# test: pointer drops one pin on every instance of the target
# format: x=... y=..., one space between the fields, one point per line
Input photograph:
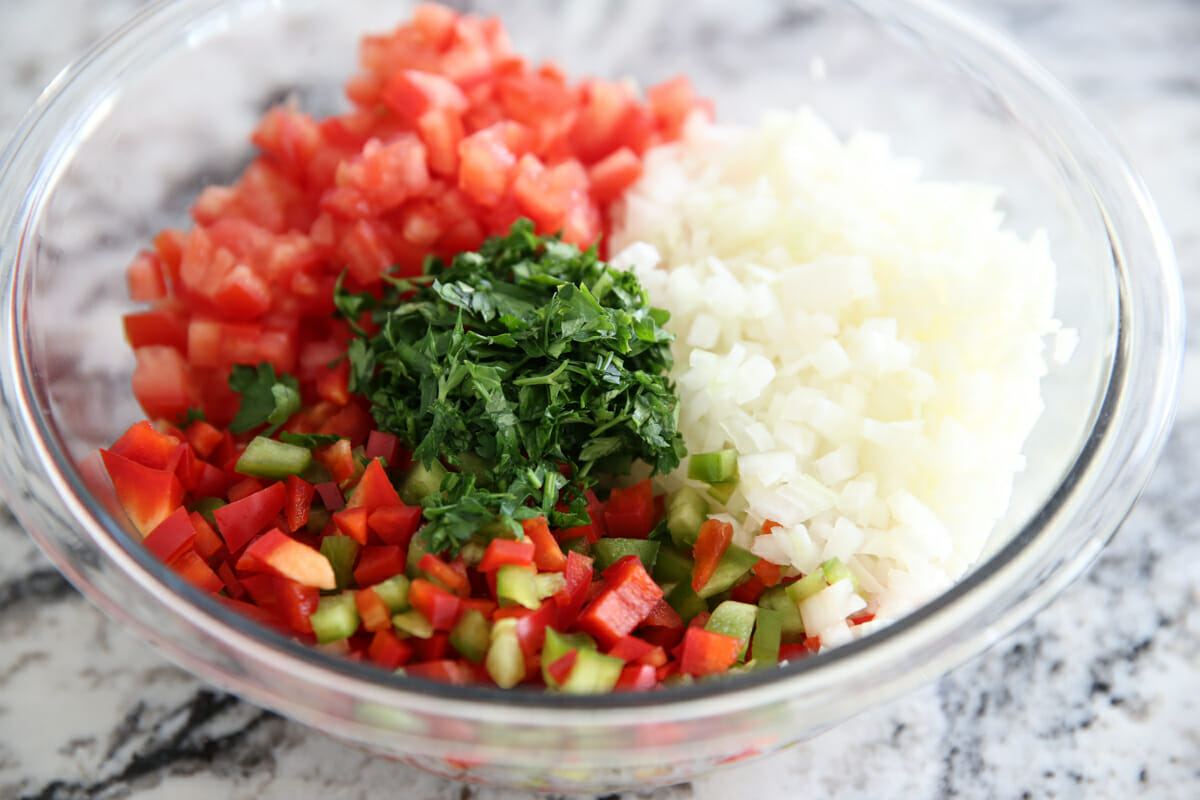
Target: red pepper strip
x=193 y=569
x=203 y=437
x=749 y=590
x=531 y=627
x=331 y=496
x=208 y=542
x=706 y=652
x=711 y=544
x=791 y=652
x=663 y=616
x=578 y=575
x=382 y=445
x=299 y=501
x=452 y=579
x=547 y=555
x=374 y=489
x=630 y=649
x=767 y=572
x=142 y=444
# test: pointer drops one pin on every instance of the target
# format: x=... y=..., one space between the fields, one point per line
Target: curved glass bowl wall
x=120 y=144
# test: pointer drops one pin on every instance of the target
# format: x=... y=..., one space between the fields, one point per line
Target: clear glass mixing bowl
x=120 y=143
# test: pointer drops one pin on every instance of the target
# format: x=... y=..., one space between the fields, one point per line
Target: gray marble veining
x=1096 y=697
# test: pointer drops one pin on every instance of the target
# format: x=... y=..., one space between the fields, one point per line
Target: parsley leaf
x=266 y=399
x=537 y=358
x=309 y=440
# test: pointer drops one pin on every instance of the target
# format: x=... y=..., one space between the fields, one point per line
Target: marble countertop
x=1095 y=697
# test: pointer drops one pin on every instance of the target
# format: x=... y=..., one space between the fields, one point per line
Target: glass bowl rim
x=984 y=583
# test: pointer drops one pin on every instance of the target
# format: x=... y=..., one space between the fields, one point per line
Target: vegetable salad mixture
x=400 y=408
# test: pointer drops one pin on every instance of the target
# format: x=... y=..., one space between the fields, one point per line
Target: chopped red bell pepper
x=147 y=495
x=171 y=537
x=193 y=569
x=388 y=650
x=299 y=501
x=377 y=563
x=239 y=521
x=506 y=551
x=711 y=543
x=395 y=524
x=372 y=610
x=208 y=542
x=767 y=572
x=454 y=579
x=706 y=652
x=352 y=522
x=458 y=673
x=627 y=597
x=142 y=444
x=374 y=489
x=578 y=575
x=547 y=555
x=440 y=607
x=630 y=512
x=560 y=668
x=637 y=678
x=331 y=496
x=295 y=603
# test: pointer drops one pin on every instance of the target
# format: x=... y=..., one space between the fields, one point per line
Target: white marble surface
x=1096 y=697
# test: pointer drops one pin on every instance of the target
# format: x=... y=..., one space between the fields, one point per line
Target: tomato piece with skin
x=162 y=382
x=161 y=327
x=240 y=520
x=711 y=543
x=146 y=278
